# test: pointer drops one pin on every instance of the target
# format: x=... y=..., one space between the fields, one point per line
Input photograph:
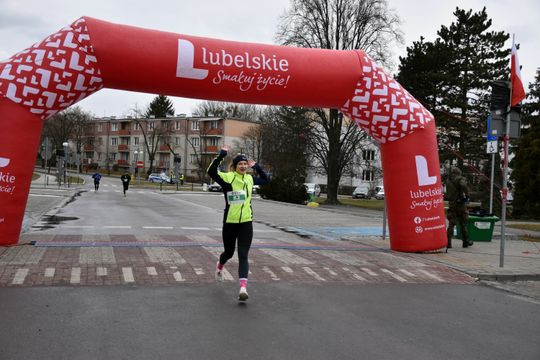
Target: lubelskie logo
x=428 y=198
x=7 y=181
x=243 y=69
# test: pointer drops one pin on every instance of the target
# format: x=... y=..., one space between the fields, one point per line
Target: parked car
x=255 y=189
x=380 y=194
x=214 y=187
x=313 y=189
x=159 y=178
x=361 y=192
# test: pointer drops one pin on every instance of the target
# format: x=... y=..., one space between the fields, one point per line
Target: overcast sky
x=24 y=22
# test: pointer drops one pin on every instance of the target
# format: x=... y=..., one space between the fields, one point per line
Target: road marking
x=287 y=269
x=117 y=227
x=19 y=277
x=354 y=274
x=158 y=227
x=408 y=273
x=395 y=276
x=167 y=256
x=431 y=275
x=127 y=272
x=49 y=272
x=313 y=273
x=342 y=257
x=97 y=255
x=151 y=270
x=332 y=272
x=369 y=272
x=178 y=276
x=270 y=272
x=23 y=255
x=75 y=275
x=101 y=271
x=227 y=275
x=286 y=256
x=194 y=228
x=77 y=226
x=199 y=271
x=45 y=195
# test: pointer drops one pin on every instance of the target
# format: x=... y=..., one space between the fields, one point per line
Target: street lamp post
x=66 y=154
x=136 y=153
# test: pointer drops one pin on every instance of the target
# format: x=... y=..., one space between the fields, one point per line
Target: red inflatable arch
x=91 y=54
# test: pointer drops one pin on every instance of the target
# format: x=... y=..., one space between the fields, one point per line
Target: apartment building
x=121 y=143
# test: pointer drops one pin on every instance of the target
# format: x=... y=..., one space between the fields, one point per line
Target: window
x=151 y=125
x=99 y=127
x=112 y=156
x=177 y=125
x=368 y=175
x=114 y=127
x=135 y=141
x=137 y=126
x=176 y=141
x=99 y=156
x=195 y=141
x=213 y=141
x=194 y=125
x=368 y=155
x=213 y=124
x=114 y=141
x=193 y=159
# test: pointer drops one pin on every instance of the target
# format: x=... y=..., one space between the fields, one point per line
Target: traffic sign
x=491 y=147
x=140 y=165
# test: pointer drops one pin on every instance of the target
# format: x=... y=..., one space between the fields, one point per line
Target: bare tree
x=251 y=142
x=227 y=110
x=368 y=25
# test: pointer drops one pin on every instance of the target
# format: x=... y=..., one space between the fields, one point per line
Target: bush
x=286 y=190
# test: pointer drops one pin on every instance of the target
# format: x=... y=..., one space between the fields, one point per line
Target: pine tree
x=160 y=107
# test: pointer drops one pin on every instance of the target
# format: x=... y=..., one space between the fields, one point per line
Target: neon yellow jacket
x=237 y=189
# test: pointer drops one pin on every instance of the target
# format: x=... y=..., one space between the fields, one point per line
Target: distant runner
x=126 y=178
x=97 y=179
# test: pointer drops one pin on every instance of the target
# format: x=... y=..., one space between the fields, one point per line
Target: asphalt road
x=285 y=321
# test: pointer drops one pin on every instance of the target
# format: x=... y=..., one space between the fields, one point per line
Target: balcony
x=211 y=149
x=122 y=162
x=124 y=132
x=88 y=147
x=217 y=131
x=163 y=148
x=123 y=147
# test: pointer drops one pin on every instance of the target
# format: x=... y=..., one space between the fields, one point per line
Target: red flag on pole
x=518 y=91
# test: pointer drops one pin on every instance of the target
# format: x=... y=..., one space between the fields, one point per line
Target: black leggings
x=244 y=233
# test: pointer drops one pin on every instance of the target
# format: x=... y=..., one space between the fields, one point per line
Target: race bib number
x=236 y=197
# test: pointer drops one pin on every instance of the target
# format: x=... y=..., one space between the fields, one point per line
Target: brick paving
x=75 y=260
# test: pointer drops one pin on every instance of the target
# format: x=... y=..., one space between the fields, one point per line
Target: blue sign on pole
x=490 y=137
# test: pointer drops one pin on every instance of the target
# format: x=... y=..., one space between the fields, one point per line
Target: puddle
x=55 y=219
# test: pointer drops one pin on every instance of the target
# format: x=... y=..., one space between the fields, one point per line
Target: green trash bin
x=480 y=228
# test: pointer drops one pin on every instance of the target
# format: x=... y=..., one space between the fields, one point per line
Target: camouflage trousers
x=457 y=215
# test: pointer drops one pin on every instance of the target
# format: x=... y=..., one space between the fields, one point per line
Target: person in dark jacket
x=457 y=193
x=237 y=186
x=97 y=178
x=126 y=178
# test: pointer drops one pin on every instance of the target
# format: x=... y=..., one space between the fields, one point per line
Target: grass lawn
x=35 y=176
x=362 y=203
x=525 y=226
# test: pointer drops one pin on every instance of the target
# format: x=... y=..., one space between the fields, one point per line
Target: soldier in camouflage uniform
x=457 y=192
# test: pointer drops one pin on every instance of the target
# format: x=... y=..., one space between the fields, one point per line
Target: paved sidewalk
x=521 y=258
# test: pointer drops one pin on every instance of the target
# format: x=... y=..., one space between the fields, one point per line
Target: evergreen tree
x=160 y=107
x=452 y=77
x=526 y=163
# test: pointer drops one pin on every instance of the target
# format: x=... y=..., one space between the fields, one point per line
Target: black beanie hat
x=239 y=158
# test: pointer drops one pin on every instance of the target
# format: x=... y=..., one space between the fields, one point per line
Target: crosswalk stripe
x=287 y=269
x=408 y=273
x=355 y=275
x=194 y=228
x=332 y=272
x=199 y=271
x=75 y=275
x=49 y=272
x=267 y=270
x=19 y=277
x=101 y=271
x=369 y=272
x=151 y=270
x=287 y=257
x=118 y=227
x=127 y=272
x=158 y=227
x=313 y=273
x=227 y=275
x=178 y=276
x=395 y=276
x=430 y=275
